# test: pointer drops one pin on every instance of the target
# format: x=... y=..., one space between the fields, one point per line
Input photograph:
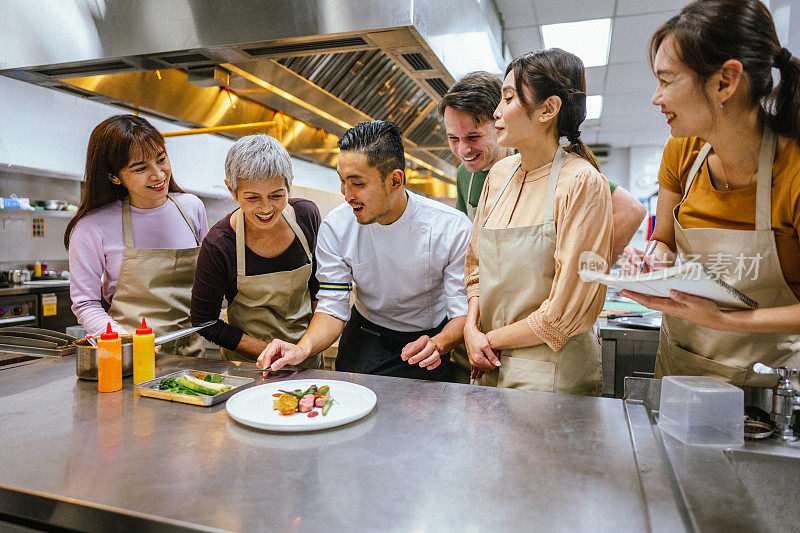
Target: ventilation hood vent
x=417 y=61
x=438 y=85
x=103 y=67
x=191 y=58
x=315 y=46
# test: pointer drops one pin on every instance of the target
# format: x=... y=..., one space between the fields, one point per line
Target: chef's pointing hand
x=422 y=351
x=278 y=354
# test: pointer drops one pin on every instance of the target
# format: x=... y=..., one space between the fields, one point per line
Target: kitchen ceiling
x=324 y=64
x=626 y=82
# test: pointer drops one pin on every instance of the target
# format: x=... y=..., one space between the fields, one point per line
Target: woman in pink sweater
x=134 y=240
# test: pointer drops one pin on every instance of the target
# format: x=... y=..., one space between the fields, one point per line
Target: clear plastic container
x=702 y=410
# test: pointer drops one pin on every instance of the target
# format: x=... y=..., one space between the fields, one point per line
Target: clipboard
x=691 y=278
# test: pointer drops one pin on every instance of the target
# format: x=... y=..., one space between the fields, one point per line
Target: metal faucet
x=785 y=399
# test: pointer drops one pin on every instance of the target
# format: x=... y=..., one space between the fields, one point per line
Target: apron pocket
x=526 y=374
x=674 y=360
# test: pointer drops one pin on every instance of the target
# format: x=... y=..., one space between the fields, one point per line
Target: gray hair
x=257 y=157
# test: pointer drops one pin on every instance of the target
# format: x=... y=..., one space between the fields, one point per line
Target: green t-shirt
x=462 y=182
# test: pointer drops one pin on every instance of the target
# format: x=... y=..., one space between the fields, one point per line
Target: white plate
x=253 y=407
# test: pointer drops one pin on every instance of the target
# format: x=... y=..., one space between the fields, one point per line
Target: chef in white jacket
x=401 y=254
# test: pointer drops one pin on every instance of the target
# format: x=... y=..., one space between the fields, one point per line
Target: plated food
x=303 y=401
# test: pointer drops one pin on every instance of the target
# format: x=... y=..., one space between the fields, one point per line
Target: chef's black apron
x=368 y=348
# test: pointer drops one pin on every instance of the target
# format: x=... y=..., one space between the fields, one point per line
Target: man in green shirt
x=468 y=114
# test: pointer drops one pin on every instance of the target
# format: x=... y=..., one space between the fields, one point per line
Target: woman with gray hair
x=259 y=257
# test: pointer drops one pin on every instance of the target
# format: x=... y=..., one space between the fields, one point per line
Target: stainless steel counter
x=430 y=457
x=32 y=289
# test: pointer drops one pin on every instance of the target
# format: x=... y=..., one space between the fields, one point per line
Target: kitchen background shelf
x=38 y=212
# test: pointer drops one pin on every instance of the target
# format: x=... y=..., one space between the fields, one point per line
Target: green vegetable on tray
x=210 y=386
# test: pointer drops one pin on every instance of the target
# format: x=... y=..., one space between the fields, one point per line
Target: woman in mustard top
x=729 y=192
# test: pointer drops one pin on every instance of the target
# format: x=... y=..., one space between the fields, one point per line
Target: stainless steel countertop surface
x=430 y=457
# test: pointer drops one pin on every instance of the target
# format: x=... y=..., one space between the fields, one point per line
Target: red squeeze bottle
x=109 y=361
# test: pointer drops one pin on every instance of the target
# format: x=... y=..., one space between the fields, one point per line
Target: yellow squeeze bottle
x=144 y=354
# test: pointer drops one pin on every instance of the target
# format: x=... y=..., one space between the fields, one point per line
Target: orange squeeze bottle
x=109 y=361
x=144 y=354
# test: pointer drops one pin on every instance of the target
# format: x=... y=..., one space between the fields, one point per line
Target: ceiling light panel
x=548 y=12
x=587 y=39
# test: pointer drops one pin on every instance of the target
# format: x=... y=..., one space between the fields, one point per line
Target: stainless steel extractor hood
x=328 y=64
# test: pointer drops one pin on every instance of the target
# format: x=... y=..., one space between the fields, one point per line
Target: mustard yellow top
x=707 y=207
x=582 y=212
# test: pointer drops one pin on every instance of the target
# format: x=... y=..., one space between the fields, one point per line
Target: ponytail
x=784 y=102
x=555 y=72
x=579 y=148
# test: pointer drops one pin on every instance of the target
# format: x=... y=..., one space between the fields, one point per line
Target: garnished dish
x=303 y=401
x=301 y=404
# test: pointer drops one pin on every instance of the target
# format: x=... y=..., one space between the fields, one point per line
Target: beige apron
x=470 y=210
x=688 y=349
x=276 y=305
x=156 y=284
x=517 y=267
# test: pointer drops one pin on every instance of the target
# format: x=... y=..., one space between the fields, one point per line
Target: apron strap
x=555 y=170
x=240 y=237
x=469 y=187
x=185 y=217
x=127 y=227
x=239 y=242
x=508 y=179
x=698 y=162
x=297 y=231
x=764 y=180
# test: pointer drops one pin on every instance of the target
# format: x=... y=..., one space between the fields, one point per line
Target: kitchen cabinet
x=626 y=352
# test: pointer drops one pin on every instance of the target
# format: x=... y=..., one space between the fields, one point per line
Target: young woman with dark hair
x=135 y=237
x=530 y=317
x=729 y=192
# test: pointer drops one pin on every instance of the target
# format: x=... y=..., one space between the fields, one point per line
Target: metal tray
x=150 y=388
x=638 y=322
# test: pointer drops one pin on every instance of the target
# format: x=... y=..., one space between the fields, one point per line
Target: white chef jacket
x=408 y=275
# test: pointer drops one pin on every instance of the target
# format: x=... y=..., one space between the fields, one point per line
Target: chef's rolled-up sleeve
x=583 y=223
x=454 y=287
x=335 y=276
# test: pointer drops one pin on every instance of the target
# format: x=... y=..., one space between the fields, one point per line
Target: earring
x=722 y=104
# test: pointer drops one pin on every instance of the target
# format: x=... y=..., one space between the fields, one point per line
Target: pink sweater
x=97 y=243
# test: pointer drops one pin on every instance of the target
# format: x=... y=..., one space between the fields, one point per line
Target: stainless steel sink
x=771 y=475
x=753 y=487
